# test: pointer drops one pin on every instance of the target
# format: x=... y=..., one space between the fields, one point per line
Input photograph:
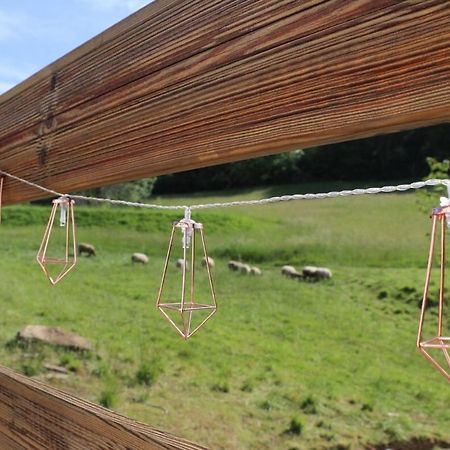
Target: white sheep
x=211 y=263
x=317 y=273
x=139 y=258
x=180 y=263
x=309 y=271
x=290 y=272
x=323 y=273
x=245 y=269
x=234 y=265
x=255 y=271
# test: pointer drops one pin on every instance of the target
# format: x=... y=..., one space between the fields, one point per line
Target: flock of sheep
x=245 y=269
x=309 y=273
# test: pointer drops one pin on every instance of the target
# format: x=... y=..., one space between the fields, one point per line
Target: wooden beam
x=38 y=417
x=184 y=84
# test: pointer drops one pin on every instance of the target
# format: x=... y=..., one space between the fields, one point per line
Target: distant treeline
x=388 y=157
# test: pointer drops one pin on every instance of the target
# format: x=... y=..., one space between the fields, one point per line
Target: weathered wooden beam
x=34 y=416
x=185 y=84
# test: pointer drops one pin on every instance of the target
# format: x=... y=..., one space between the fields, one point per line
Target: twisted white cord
x=263 y=201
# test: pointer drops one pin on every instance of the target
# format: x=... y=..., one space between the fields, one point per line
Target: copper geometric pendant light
x=57 y=254
x=185 y=312
x=436 y=347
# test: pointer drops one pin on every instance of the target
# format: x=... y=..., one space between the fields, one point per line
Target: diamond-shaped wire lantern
x=436 y=349
x=187 y=314
x=68 y=257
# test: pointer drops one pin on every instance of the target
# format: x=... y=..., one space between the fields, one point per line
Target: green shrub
x=296 y=426
x=147 y=373
x=108 y=396
x=101 y=370
x=31 y=369
x=367 y=407
x=266 y=405
x=247 y=386
x=309 y=405
x=70 y=362
x=221 y=386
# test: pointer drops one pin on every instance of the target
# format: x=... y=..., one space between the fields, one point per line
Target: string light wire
x=264 y=201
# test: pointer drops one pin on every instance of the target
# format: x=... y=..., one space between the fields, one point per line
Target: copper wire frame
x=186 y=307
x=439 y=342
x=69 y=261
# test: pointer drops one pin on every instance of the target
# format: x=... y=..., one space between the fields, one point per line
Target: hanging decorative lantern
x=63 y=255
x=186 y=313
x=436 y=349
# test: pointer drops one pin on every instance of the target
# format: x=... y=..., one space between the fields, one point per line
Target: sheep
x=290 y=272
x=297 y=275
x=245 y=269
x=316 y=273
x=210 y=261
x=323 y=273
x=234 y=265
x=309 y=271
x=180 y=263
x=139 y=258
x=86 y=248
x=255 y=271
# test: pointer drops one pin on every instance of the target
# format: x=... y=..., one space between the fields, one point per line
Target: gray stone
x=56 y=369
x=54 y=336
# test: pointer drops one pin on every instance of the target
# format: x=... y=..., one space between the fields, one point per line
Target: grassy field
x=284 y=364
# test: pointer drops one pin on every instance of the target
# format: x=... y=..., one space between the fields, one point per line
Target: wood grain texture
x=34 y=416
x=187 y=84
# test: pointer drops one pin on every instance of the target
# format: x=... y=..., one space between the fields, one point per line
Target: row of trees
x=388 y=157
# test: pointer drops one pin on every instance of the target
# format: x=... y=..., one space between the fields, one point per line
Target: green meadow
x=284 y=364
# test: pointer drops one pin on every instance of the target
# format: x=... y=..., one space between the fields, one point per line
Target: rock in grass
x=54 y=336
x=56 y=369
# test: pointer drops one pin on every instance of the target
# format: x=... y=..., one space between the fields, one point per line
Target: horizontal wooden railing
x=185 y=84
x=34 y=416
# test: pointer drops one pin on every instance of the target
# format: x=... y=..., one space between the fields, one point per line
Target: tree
x=132 y=191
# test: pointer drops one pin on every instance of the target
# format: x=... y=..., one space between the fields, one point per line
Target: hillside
x=284 y=364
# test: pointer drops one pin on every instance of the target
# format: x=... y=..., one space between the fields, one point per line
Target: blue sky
x=33 y=33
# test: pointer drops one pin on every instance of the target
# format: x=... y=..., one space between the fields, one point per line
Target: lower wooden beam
x=36 y=416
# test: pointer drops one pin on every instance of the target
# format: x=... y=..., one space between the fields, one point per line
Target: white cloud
x=131 y=5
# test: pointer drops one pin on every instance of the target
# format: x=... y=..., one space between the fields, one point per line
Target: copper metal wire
x=438 y=342
x=187 y=306
x=69 y=260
